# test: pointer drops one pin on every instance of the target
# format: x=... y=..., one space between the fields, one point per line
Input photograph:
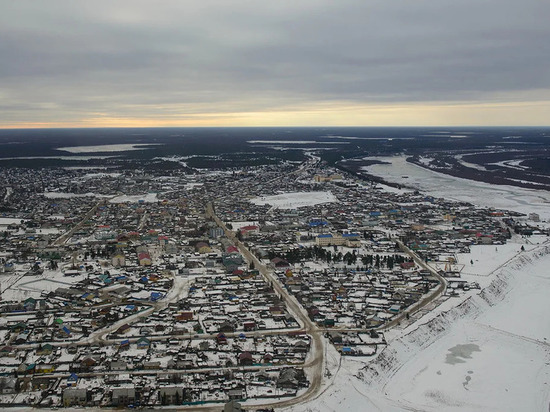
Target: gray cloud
x=64 y=59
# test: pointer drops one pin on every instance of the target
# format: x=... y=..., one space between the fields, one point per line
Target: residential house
x=75 y=396
x=118 y=259
x=171 y=395
x=123 y=396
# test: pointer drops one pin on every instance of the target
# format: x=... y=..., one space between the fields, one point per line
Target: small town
x=140 y=288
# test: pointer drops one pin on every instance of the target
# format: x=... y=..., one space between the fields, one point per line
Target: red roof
x=278 y=262
x=245 y=355
x=232 y=249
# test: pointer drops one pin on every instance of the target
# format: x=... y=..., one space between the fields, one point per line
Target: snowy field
x=295 y=200
x=292 y=142
x=61 y=158
x=454 y=188
x=493 y=354
x=489 y=353
x=106 y=148
x=65 y=195
x=147 y=198
x=5 y=221
x=237 y=225
x=17 y=287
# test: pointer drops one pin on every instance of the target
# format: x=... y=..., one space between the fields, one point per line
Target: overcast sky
x=299 y=62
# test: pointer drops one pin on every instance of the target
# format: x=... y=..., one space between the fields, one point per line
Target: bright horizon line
x=317 y=114
x=282 y=126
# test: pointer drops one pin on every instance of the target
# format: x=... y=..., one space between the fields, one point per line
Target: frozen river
x=450 y=187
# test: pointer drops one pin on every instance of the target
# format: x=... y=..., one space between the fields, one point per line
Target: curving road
x=429 y=298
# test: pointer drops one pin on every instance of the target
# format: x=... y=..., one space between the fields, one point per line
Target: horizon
x=284 y=64
x=281 y=127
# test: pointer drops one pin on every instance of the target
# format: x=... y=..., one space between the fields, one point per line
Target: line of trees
x=317 y=253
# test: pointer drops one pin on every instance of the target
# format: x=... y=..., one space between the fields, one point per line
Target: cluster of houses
x=117 y=290
x=138 y=296
x=342 y=298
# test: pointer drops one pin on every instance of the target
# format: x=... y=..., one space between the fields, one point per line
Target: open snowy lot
x=6 y=221
x=18 y=286
x=295 y=199
x=64 y=195
x=147 y=198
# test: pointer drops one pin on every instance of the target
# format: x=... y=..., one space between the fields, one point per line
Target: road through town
x=316 y=361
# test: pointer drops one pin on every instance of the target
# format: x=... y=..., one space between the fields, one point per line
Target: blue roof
x=350 y=235
x=317 y=222
x=325 y=235
x=66 y=330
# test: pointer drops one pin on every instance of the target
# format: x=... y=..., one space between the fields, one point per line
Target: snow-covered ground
x=17 y=286
x=100 y=175
x=5 y=221
x=237 y=225
x=65 y=195
x=148 y=198
x=490 y=352
x=454 y=188
x=292 y=142
x=63 y=158
x=295 y=199
x=107 y=148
